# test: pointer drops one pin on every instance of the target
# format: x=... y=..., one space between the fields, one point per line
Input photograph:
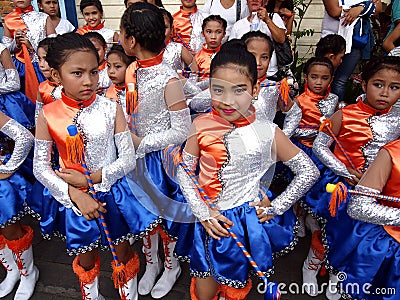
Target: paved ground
x=57 y=281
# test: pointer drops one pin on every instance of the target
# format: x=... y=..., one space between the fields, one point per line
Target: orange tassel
x=284 y=91
x=75 y=148
x=131 y=99
x=119 y=275
x=172 y=157
x=31 y=81
x=339 y=196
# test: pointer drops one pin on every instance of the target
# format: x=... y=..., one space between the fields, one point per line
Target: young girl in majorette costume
x=270 y=99
x=24 y=29
x=49 y=90
x=105 y=143
x=52 y=8
x=372 y=248
x=15 y=239
x=234 y=146
x=160 y=118
x=117 y=64
x=92 y=11
x=101 y=47
x=360 y=129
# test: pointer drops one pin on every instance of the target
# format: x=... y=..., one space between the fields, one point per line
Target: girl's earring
x=254 y=99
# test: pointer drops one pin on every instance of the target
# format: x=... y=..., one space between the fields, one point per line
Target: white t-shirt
x=214 y=7
x=243 y=26
x=64 y=27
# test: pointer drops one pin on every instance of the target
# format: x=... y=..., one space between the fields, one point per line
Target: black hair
x=45 y=43
x=159 y=3
x=247 y=37
x=216 y=18
x=332 y=43
x=270 y=7
x=66 y=44
x=318 y=61
x=126 y=1
x=168 y=14
x=85 y=3
x=380 y=63
x=235 y=55
x=93 y=35
x=118 y=50
x=145 y=23
x=232 y=44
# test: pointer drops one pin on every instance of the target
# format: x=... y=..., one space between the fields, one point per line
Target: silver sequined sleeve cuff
x=204 y=84
x=305 y=133
x=321 y=149
x=10 y=82
x=122 y=165
x=9 y=43
x=367 y=209
x=23 y=143
x=176 y=135
x=38 y=108
x=201 y=102
x=189 y=190
x=306 y=174
x=190 y=88
x=45 y=174
x=292 y=120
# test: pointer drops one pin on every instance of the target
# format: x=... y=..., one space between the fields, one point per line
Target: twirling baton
x=119 y=275
x=272 y=292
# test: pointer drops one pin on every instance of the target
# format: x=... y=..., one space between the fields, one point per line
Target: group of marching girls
x=116 y=156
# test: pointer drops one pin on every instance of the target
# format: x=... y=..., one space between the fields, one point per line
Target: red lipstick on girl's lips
x=87 y=92
x=229 y=111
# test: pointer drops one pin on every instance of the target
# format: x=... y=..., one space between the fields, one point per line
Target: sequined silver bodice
x=152 y=111
x=108 y=35
x=327 y=106
x=36 y=24
x=196 y=38
x=98 y=122
x=173 y=56
x=250 y=155
x=267 y=101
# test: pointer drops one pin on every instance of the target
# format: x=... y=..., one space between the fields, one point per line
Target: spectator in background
x=285 y=9
x=1 y=28
x=52 y=8
x=392 y=39
x=231 y=10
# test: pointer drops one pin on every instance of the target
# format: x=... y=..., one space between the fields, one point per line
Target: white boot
x=88 y=280
x=12 y=276
x=312 y=223
x=29 y=275
x=153 y=264
x=172 y=270
x=129 y=290
x=311 y=267
x=332 y=292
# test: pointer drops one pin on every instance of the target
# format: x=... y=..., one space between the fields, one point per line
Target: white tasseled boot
x=129 y=290
x=313 y=264
x=172 y=270
x=23 y=257
x=153 y=264
x=13 y=275
x=88 y=280
x=332 y=292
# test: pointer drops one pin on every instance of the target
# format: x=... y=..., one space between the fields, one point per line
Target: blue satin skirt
x=20 y=66
x=225 y=261
x=18 y=107
x=370 y=260
x=156 y=177
x=125 y=218
x=13 y=194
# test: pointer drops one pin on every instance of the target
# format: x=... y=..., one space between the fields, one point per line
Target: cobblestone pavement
x=57 y=281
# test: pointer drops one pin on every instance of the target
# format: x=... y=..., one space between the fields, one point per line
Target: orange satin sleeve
x=355 y=132
x=59 y=115
x=182 y=26
x=45 y=89
x=13 y=22
x=392 y=185
x=210 y=133
x=203 y=60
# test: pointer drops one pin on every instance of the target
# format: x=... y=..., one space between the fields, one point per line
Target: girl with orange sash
x=360 y=130
x=24 y=29
x=49 y=90
x=105 y=141
x=117 y=63
x=372 y=250
x=160 y=117
x=100 y=44
x=92 y=11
